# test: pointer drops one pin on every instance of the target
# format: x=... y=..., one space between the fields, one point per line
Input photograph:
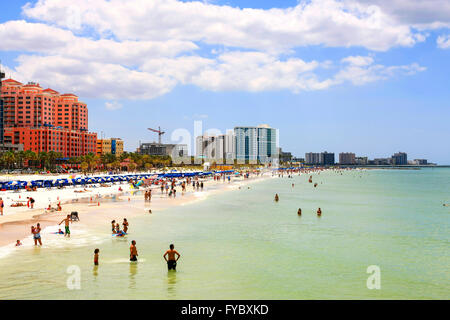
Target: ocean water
x=240 y=244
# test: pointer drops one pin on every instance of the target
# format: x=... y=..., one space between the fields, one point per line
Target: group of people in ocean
x=310 y=180
x=116 y=228
x=171 y=256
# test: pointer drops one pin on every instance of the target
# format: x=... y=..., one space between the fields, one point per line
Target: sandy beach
x=96 y=205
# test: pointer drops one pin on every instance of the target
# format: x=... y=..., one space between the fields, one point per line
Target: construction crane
x=159 y=132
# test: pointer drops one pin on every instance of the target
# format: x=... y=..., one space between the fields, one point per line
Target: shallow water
x=240 y=244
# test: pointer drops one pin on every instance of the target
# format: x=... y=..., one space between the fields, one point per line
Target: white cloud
x=423 y=14
x=113 y=105
x=318 y=22
x=92 y=79
x=38 y=37
x=257 y=71
x=142 y=49
x=361 y=70
x=443 y=41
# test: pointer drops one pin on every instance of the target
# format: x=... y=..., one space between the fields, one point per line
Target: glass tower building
x=256 y=143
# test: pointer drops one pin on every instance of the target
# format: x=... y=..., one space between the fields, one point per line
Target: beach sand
x=98 y=206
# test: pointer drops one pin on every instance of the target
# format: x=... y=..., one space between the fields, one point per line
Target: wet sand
x=17 y=226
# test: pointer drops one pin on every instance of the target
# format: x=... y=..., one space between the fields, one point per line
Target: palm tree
x=30 y=156
x=9 y=158
x=20 y=157
x=52 y=156
x=43 y=159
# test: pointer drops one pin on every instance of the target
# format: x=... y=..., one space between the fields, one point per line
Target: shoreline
x=100 y=211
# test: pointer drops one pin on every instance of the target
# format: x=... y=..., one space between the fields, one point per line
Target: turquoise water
x=240 y=244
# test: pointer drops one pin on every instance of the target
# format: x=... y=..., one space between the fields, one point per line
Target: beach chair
x=74 y=216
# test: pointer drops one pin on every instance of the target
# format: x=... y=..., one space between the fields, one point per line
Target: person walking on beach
x=133 y=251
x=36 y=234
x=31 y=203
x=125 y=225
x=172 y=261
x=2 y=204
x=96 y=252
x=66 y=221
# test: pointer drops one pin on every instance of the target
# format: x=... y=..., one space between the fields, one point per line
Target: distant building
x=362 y=161
x=420 y=162
x=399 y=158
x=347 y=158
x=163 y=149
x=298 y=160
x=2 y=75
x=256 y=143
x=10 y=147
x=327 y=158
x=112 y=145
x=215 y=147
x=45 y=120
x=284 y=156
x=382 y=161
x=323 y=158
x=312 y=158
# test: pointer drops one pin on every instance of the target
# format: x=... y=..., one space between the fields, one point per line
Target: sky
x=369 y=77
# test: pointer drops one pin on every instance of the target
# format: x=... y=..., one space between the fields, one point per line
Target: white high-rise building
x=215 y=147
x=256 y=143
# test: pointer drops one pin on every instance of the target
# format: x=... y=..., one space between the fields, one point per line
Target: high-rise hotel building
x=256 y=143
x=44 y=120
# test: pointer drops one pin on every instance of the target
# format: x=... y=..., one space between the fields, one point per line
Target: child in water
x=18 y=243
x=96 y=251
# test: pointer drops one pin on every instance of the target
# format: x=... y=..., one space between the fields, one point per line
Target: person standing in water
x=36 y=234
x=133 y=251
x=66 y=223
x=125 y=225
x=299 y=212
x=172 y=260
x=319 y=212
x=276 y=197
x=113 y=226
x=96 y=251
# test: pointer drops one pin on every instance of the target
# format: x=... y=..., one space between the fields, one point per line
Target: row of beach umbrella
x=80 y=181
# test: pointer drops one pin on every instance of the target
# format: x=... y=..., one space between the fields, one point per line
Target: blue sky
x=342 y=76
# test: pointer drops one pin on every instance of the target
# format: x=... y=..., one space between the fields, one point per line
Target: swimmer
x=18 y=243
x=299 y=212
x=59 y=232
x=133 y=251
x=66 y=223
x=276 y=197
x=150 y=211
x=172 y=261
x=96 y=251
x=319 y=212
